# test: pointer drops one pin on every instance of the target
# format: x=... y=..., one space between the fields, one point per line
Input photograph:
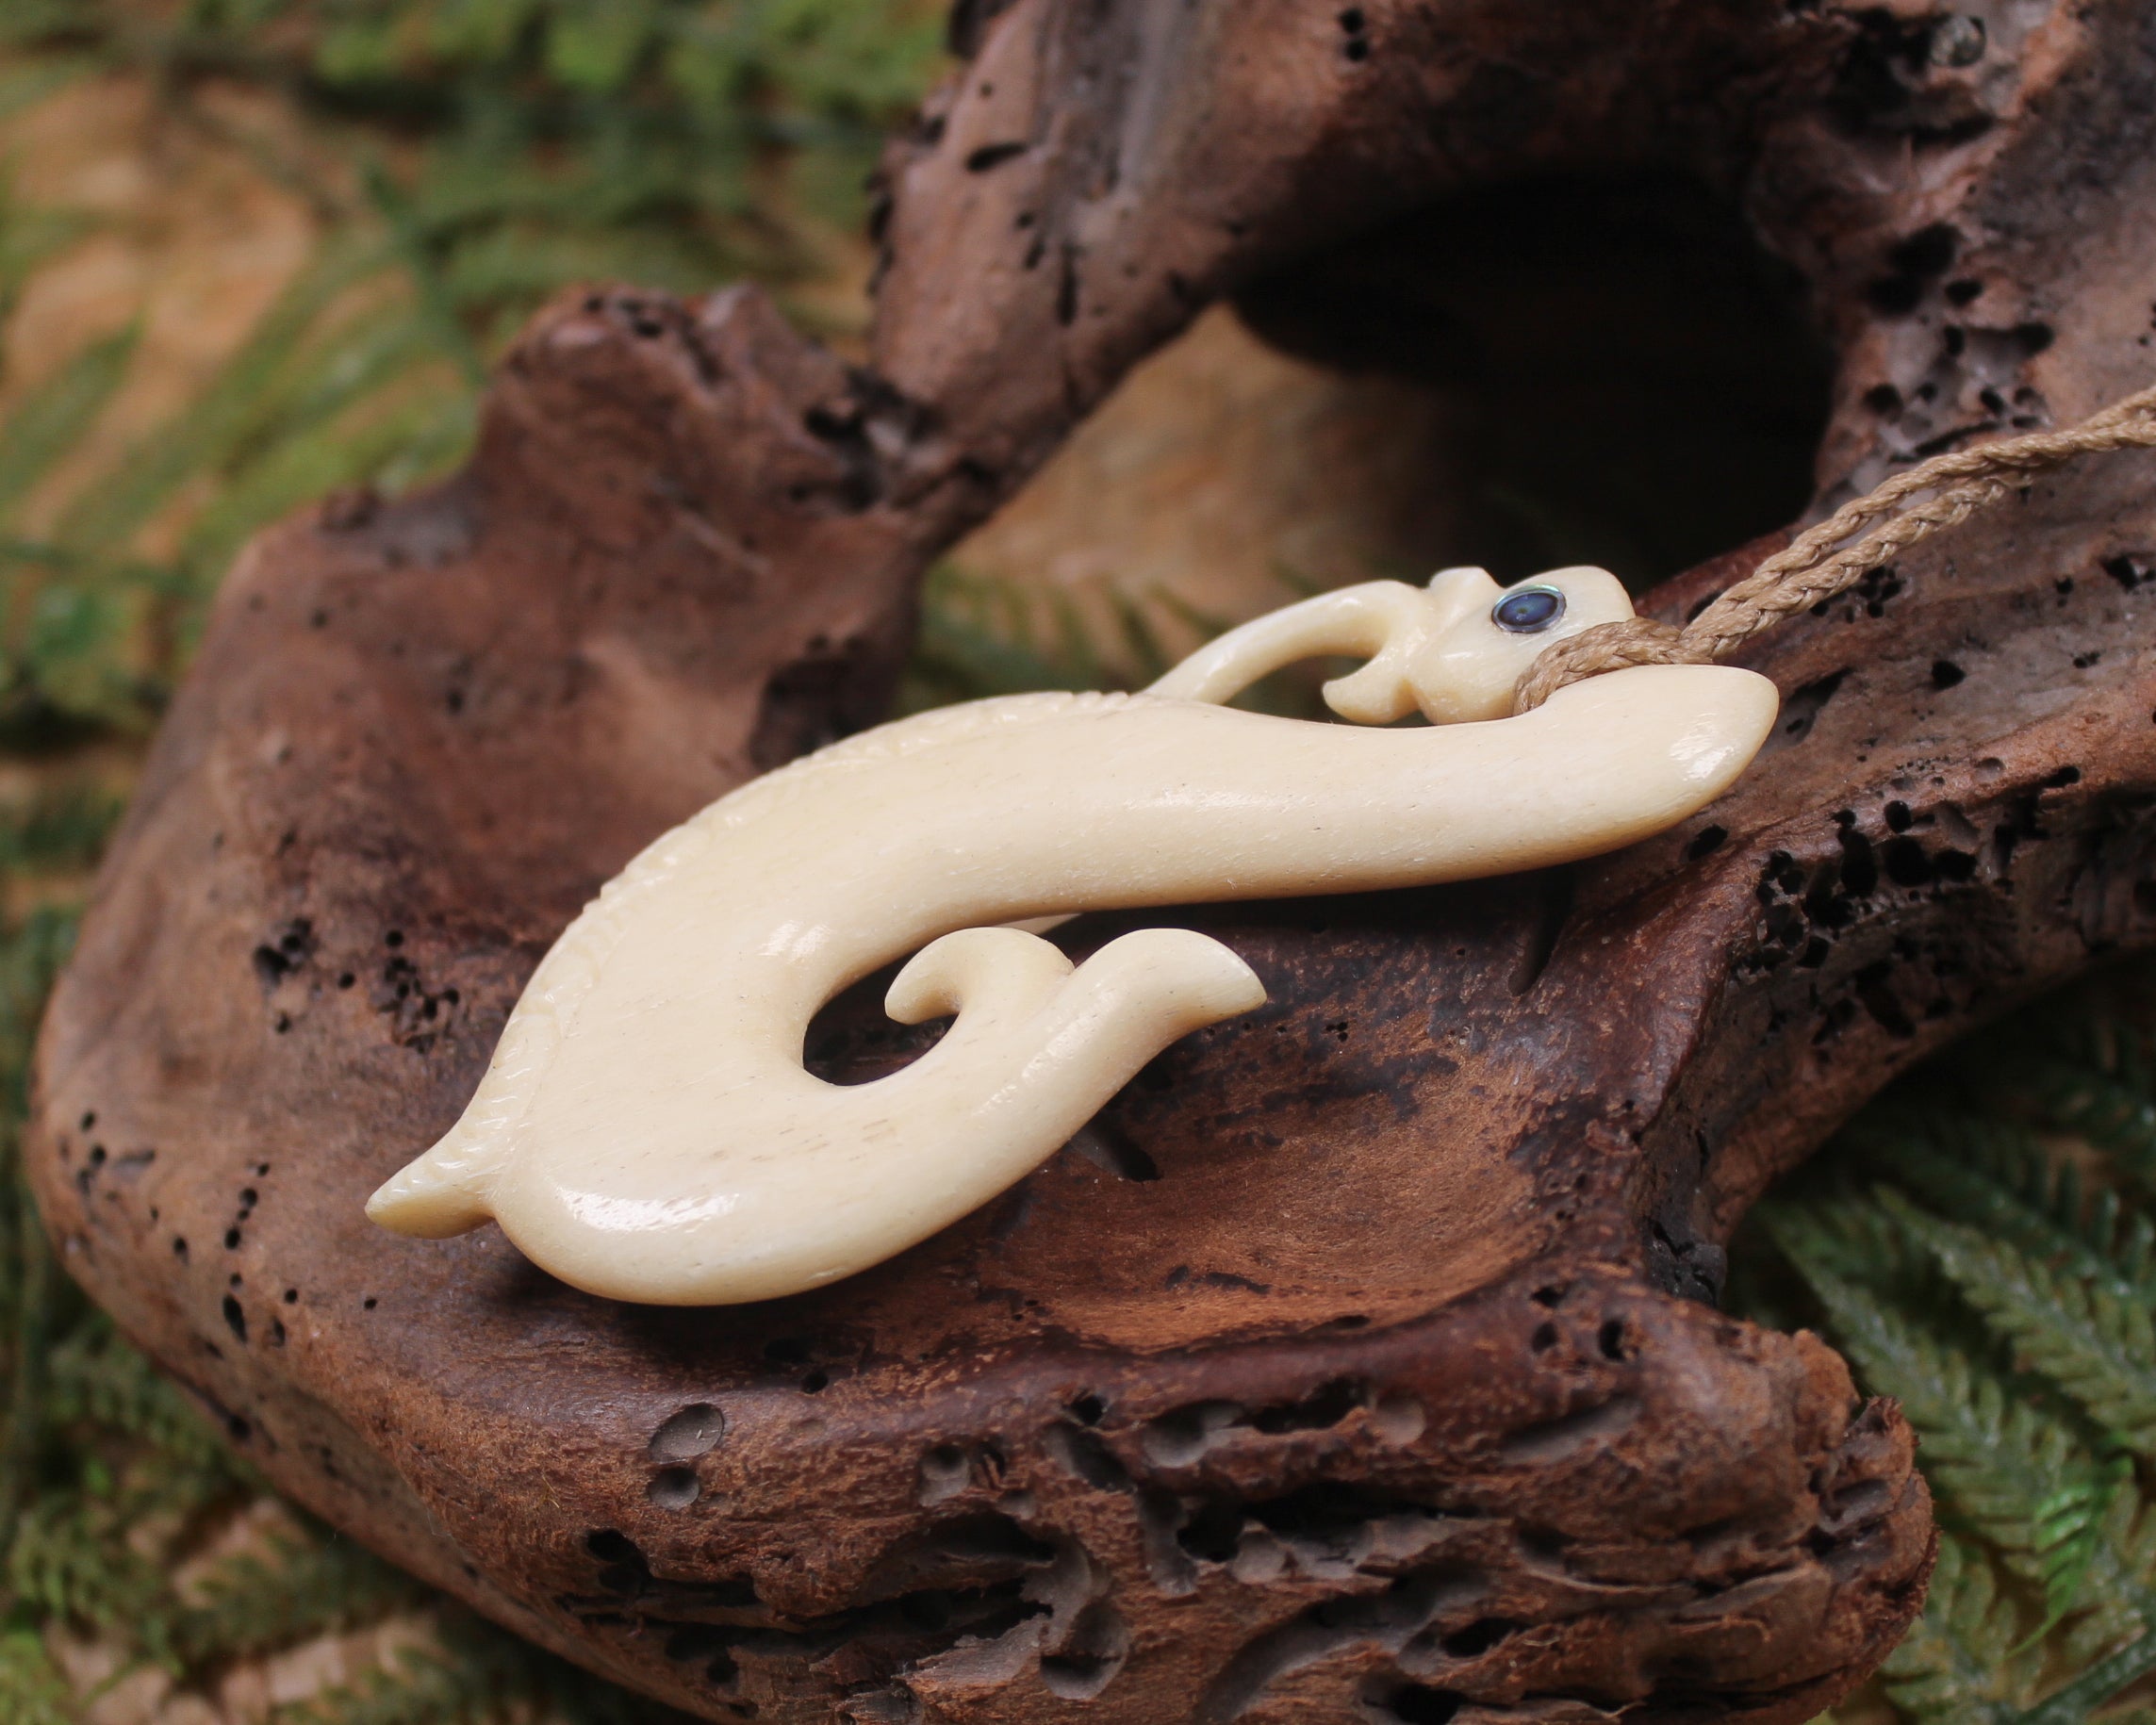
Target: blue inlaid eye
x=1529 y=611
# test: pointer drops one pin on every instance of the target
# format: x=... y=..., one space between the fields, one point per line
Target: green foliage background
x=1982 y=1243
x=463 y=159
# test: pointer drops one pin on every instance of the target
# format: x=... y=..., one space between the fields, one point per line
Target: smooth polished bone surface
x=647 y=1130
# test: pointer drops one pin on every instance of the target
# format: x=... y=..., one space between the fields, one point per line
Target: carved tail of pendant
x=1038 y=1047
x=444 y=1192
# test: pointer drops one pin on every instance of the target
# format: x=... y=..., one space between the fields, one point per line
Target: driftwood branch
x=1360 y=1361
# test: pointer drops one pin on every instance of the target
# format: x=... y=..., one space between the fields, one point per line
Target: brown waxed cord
x=1811 y=570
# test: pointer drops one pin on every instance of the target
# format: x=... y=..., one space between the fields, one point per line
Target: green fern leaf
x=26 y=81
x=2069 y=1525
x=2000 y=1468
x=1992 y=1175
x=1840 y=1232
x=360 y=50
x=308 y=462
x=521 y=174
x=2126 y=1564
x=2101 y=1349
x=2072 y=1704
x=1948 y=1670
x=49 y=422
x=1141 y=641
x=74 y=651
x=978 y=637
x=2112 y=1106
x=204 y=436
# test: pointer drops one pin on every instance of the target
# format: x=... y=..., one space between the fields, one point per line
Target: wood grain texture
x=1360 y=1362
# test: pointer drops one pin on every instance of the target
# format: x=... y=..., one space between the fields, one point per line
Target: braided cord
x=1830 y=558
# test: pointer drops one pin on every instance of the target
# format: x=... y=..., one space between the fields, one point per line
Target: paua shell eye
x=1529 y=611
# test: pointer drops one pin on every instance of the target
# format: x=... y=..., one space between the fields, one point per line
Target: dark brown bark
x=1358 y=1362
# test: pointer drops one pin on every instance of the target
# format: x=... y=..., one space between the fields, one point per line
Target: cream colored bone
x=647 y=1130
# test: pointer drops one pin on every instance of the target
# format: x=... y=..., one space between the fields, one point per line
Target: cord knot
x=1606 y=647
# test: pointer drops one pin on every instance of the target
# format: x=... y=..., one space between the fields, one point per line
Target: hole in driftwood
x=693 y=1431
x=1553 y=1439
x=1419 y=1704
x=989 y=1539
x=1478 y=1638
x=674 y=1488
x=1086 y=1455
x=946 y=1471
x=1099 y=1642
x=1644 y=389
x=1087 y=1410
x=623 y=1570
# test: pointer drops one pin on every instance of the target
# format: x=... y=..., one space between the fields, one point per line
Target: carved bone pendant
x=646 y=1129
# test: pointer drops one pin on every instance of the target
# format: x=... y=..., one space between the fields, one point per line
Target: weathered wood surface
x=1360 y=1363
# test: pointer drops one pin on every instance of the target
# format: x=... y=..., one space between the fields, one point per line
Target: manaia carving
x=647 y=1130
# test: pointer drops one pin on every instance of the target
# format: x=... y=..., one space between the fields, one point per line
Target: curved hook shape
x=646 y=1129
x=1433 y=650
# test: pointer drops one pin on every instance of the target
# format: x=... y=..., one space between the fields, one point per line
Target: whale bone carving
x=646 y=1129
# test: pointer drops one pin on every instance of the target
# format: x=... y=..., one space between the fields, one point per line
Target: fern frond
x=31 y=1298
x=2071 y=1526
x=978 y=638
x=1141 y=641
x=2125 y=1571
x=1837 y=1231
x=307 y=462
x=2072 y=1704
x=1992 y=1175
x=73 y=652
x=596 y=48
x=47 y=423
x=467 y=31
x=2001 y=1468
x=2098 y=1347
x=535 y=141
x=31 y=954
x=217 y=422
x=1073 y=646
x=1202 y=623
x=2113 y=1108
x=1949 y=1670
x=29 y=234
